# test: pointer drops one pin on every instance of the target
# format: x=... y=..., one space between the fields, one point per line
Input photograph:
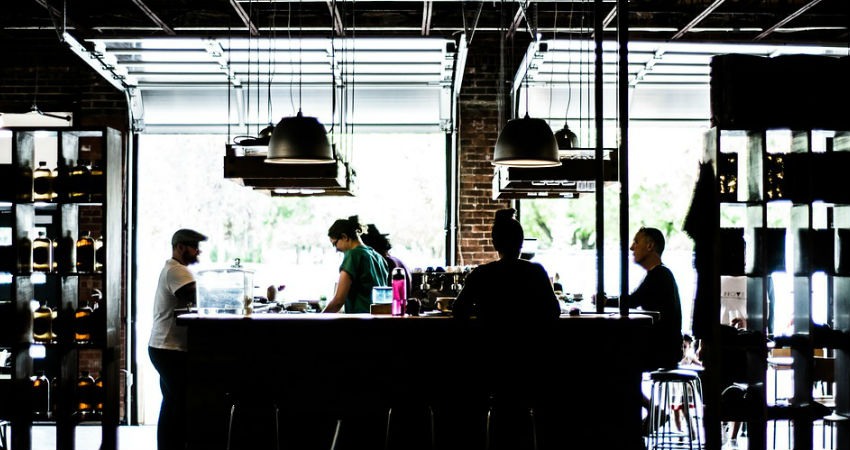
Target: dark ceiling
x=765 y=21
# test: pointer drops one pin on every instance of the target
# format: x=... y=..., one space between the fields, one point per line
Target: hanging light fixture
x=525 y=142
x=300 y=139
x=566 y=138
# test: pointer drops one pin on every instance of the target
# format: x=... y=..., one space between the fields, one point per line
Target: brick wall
x=479 y=125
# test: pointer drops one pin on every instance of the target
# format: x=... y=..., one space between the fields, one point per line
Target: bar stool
x=665 y=385
x=4 y=441
x=431 y=427
x=493 y=408
x=244 y=403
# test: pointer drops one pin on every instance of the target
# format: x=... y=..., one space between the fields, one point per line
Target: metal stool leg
x=533 y=429
x=387 y=431
x=276 y=425
x=336 y=434
x=433 y=428
x=230 y=424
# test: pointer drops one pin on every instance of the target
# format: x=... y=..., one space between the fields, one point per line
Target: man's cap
x=186 y=236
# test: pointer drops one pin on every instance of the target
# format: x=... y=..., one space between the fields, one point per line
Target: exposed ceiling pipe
x=427 y=9
x=155 y=18
x=245 y=18
x=699 y=18
x=793 y=16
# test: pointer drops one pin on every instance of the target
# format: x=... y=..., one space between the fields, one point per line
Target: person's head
x=373 y=238
x=507 y=234
x=184 y=245
x=647 y=247
x=344 y=234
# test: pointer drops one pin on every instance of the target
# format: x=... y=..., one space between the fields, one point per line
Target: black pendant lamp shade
x=526 y=142
x=299 y=140
x=566 y=139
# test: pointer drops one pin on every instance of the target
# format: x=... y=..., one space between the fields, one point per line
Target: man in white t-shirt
x=168 y=343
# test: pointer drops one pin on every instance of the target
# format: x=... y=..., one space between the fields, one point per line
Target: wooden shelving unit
x=63 y=288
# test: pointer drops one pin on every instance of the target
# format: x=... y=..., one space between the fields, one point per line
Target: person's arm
x=187 y=294
x=464 y=305
x=342 y=288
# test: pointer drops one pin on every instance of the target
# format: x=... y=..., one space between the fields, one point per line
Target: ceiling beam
x=339 y=29
x=427 y=8
x=699 y=18
x=791 y=17
x=610 y=17
x=245 y=18
x=152 y=16
x=518 y=17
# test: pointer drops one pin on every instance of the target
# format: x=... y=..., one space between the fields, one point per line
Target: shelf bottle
x=85 y=254
x=42 y=324
x=85 y=393
x=40 y=395
x=97 y=182
x=83 y=323
x=78 y=181
x=42 y=183
x=42 y=253
x=99 y=394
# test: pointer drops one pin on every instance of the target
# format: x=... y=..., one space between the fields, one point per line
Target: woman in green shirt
x=362 y=268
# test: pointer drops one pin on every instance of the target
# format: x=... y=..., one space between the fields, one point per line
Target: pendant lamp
x=299 y=140
x=566 y=139
x=526 y=142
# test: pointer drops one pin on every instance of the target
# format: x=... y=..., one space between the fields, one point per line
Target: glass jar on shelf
x=42 y=183
x=78 y=182
x=42 y=253
x=42 y=324
x=85 y=253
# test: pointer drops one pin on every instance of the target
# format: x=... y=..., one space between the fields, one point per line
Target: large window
x=662 y=175
x=400 y=188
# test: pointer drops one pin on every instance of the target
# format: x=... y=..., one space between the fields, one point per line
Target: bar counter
x=581 y=376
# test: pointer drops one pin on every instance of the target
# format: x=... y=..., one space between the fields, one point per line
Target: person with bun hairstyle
x=510 y=288
x=381 y=244
x=362 y=268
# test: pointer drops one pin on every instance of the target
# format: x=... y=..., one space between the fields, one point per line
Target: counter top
x=194 y=317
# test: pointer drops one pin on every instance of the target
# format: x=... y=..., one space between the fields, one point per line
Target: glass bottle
x=99 y=254
x=42 y=253
x=83 y=323
x=23 y=183
x=42 y=183
x=97 y=182
x=40 y=395
x=78 y=181
x=42 y=324
x=63 y=255
x=60 y=181
x=85 y=253
x=399 y=291
x=24 y=255
x=99 y=394
x=85 y=393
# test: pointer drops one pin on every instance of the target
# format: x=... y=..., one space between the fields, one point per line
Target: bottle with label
x=83 y=323
x=86 y=401
x=399 y=291
x=99 y=254
x=78 y=181
x=42 y=324
x=85 y=253
x=40 y=395
x=42 y=183
x=42 y=253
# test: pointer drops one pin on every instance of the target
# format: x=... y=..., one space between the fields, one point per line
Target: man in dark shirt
x=658 y=292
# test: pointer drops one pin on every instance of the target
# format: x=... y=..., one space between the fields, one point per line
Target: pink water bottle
x=399 y=291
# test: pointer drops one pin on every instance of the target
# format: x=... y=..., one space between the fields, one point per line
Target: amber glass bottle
x=40 y=395
x=99 y=394
x=85 y=253
x=42 y=324
x=83 y=323
x=85 y=393
x=78 y=181
x=42 y=253
x=42 y=183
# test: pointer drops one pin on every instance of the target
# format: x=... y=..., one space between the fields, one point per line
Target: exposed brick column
x=478 y=124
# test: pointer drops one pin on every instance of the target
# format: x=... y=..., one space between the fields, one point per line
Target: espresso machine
x=432 y=283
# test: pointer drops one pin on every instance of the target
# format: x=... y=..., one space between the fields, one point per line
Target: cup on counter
x=444 y=304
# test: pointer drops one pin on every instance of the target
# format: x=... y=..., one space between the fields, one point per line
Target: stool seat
x=674 y=375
